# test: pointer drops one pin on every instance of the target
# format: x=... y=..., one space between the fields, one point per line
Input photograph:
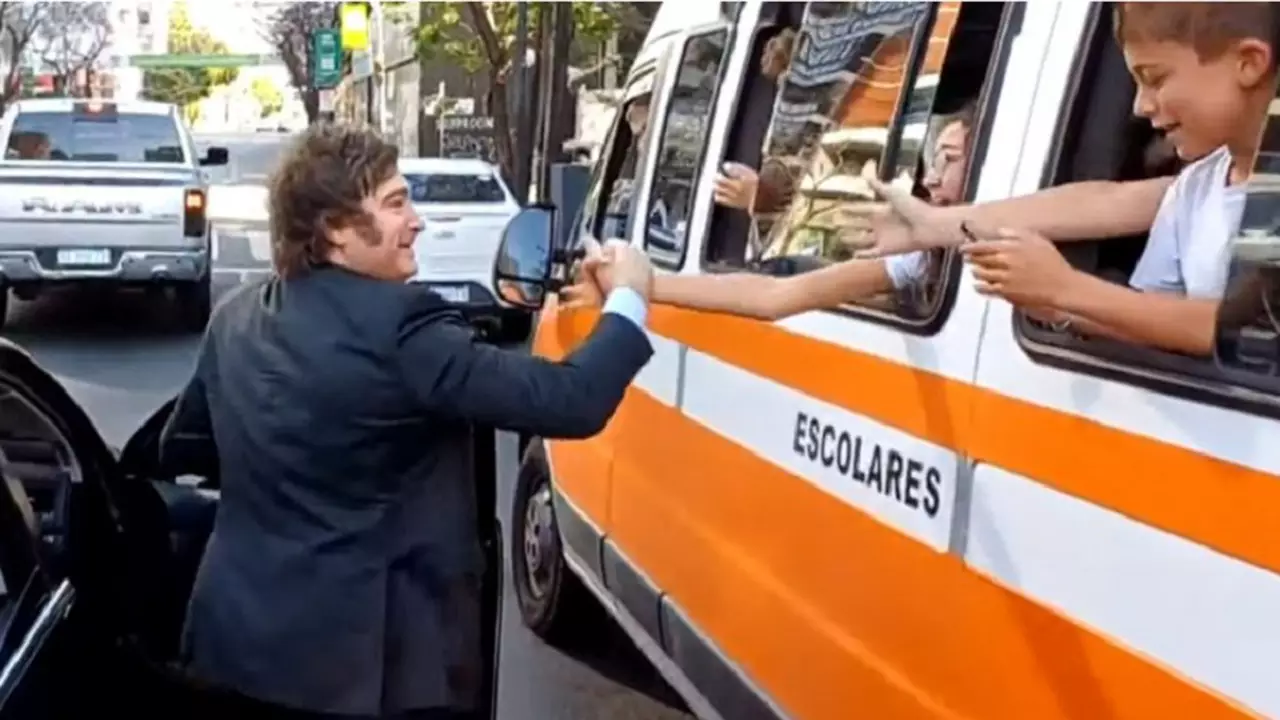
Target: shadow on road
x=126 y=341
x=605 y=648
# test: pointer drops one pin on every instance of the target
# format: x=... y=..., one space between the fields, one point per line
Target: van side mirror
x=522 y=268
x=215 y=156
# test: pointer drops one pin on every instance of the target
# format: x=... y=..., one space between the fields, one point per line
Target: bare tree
x=19 y=23
x=71 y=39
x=288 y=28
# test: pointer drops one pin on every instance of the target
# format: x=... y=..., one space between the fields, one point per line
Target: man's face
x=383 y=248
x=945 y=176
x=1198 y=104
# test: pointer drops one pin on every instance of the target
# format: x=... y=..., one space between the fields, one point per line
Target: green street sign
x=326 y=58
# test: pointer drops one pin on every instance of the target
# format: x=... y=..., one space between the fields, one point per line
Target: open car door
x=98 y=555
x=83 y=560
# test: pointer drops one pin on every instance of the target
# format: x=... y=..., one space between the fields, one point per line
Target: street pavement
x=121 y=356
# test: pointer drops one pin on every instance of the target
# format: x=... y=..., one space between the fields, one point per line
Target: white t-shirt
x=907 y=269
x=1188 y=251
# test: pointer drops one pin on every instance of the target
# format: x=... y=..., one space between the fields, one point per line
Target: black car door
x=34 y=612
x=80 y=554
x=50 y=458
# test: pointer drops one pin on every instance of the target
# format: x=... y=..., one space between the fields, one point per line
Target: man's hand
x=615 y=264
x=625 y=265
x=1022 y=267
x=736 y=187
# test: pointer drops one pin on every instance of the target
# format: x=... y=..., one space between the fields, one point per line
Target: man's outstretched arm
x=455 y=376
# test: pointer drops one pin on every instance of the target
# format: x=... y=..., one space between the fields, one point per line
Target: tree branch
x=483 y=27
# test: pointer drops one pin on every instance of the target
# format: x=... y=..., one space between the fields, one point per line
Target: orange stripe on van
x=836 y=615
x=1225 y=506
x=830 y=611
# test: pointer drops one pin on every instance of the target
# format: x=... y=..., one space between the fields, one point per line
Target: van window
x=95 y=137
x=606 y=210
x=684 y=134
x=891 y=88
x=1098 y=138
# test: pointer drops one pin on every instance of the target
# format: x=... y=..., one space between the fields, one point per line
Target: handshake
x=605 y=267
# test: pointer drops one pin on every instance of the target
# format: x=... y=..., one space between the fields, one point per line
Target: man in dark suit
x=343 y=573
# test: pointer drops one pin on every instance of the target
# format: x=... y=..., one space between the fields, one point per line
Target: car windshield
x=95 y=137
x=454 y=188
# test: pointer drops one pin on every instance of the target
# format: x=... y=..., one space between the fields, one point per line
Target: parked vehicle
x=464 y=205
x=107 y=194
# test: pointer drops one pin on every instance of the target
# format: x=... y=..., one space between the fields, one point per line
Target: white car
x=464 y=206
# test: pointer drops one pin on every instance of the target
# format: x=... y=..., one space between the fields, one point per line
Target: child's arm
x=1155 y=319
x=770 y=298
x=1026 y=269
x=1077 y=211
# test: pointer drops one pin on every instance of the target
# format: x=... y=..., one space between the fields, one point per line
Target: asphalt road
x=121 y=356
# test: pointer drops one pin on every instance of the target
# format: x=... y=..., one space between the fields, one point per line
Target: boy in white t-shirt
x=1205 y=75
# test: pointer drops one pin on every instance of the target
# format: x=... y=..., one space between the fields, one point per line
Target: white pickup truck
x=104 y=193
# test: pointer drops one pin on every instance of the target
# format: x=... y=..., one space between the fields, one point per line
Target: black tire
x=556 y=607
x=4 y=305
x=195 y=303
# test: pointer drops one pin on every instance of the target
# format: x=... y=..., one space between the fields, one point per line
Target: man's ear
x=332 y=225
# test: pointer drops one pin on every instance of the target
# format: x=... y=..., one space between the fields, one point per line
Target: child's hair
x=1207 y=27
x=774 y=187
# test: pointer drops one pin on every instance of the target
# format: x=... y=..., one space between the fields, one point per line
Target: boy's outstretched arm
x=1089 y=210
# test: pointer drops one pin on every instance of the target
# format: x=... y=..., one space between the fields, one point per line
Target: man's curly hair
x=319 y=186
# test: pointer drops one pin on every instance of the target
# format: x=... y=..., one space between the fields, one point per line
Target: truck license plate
x=453 y=294
x=84 y=257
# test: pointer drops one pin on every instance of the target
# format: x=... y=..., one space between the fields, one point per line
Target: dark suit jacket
x=343 y=571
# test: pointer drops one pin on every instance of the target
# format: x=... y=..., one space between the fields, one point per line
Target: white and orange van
x=930 y=507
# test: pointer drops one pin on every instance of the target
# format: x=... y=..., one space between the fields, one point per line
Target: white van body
x=1093 y=530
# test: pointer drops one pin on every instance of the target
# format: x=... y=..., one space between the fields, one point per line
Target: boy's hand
x=1020 y=266
x=908 y=223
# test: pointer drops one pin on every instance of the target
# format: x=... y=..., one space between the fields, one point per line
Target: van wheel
x=552 y=599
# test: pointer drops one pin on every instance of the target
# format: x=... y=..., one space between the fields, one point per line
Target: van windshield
x=86 y=137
